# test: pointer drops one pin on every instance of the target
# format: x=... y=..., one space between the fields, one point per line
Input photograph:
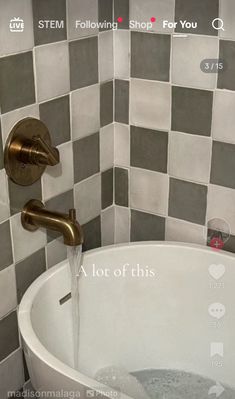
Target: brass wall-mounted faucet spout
x=34 y=215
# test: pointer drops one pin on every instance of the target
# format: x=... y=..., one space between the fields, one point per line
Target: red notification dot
x=120 y=19
x=153 y=19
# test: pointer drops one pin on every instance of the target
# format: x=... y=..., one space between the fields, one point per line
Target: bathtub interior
x=141 y=322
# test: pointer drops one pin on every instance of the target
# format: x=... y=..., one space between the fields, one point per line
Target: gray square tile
x=147 y=227
x=107 y=226
x=220 y=204
x=187 y=201
x=85 y=111
x=227 y=12
x=28 y=270
x=8 y=300
x=107 y=147
x=149 y=149
x=144 y=95
x=55 y=114
x=1 y=149
x=87 y=197
x=49 y=10
x=19 y=195
x=150 y=56
x=24 y=242
x=202 y=11
x=149 y=191
x=189 y=157
x=105 y=12
x=223 y=164
x=192 y=110
x=12 y=374
x=52 y=70
x=83 y=62
x=11 y=43
x=224 y=116
x=226 y=78
x=6 y=258
x=92 y=234
x=86 y=156
x=8 y=335
x=106 y=56
x=121 y=145
x=106 y=103
x=121 y=60
x=121 y=9
x=16 y=81
x=107 y=188
x=58 y=179
x=60 y=203
x=122 y=101
x=161 y=9
x=122 y=225
x=56 y=252
x=81 y=10
x=4 y=197
x=187 y=55
x=230 y=244
x=182 y=231
x=121 y=187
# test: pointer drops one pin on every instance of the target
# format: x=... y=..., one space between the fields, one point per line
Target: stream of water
x=75 y=262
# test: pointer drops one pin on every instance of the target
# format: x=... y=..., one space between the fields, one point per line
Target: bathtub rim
x=24 y=320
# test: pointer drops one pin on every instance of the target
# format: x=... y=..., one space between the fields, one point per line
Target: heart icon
x=217 y=271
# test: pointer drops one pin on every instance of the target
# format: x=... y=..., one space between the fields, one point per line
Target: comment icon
x=217 y=310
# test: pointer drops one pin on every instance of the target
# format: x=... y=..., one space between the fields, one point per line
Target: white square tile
x=162 y=10
x=87 y=198
x=121 y=145
x=85 y=111
x=220 y=204
x=11 y=373
x=122 y=224
x=179 y=230
x=81 y=11
x=8 y=300
x=121 y=54
x=106 y=70
x=4 y=199
x=15 y=42
x=150 y=104
x=149 y=191
x=25 y=242
x=223 y=121
x=11 y=118
x=187 y=55
x=107 y=226
x=227 y=12
x=58 y=179
x=190 y=157
x=52 y=70
x=106 y=147
x=56 y=251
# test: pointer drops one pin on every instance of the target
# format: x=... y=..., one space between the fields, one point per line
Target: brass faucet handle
x=45 y=154
x=28 y=151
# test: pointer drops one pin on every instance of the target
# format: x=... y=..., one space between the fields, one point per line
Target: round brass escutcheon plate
x=25 y=214
x=21 y=135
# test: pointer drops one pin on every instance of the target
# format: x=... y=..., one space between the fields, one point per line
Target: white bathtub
x=133 y=322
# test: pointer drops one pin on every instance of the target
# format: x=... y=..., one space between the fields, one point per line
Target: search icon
x=218 y=24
